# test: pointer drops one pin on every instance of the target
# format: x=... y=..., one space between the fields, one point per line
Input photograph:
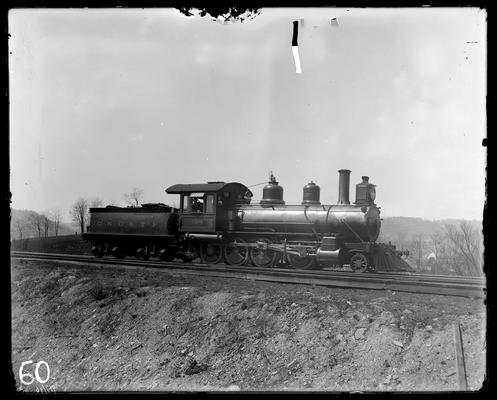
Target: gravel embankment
x=110 y=329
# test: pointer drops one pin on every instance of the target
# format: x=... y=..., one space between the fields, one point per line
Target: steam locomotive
x=217 y=222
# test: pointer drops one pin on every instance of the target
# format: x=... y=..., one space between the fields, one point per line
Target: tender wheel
x=167 y=255
x=304 y=262
x=359 y=262
x=236 y=255
x=261 y=256
x=140 y=253
x=97 y=251
x=117 y=252
x=210 y=253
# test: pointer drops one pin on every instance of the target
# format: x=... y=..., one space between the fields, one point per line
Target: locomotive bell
x=272 y=193
x=311 y=194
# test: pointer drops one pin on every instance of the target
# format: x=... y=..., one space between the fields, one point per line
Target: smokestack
x=343 y=186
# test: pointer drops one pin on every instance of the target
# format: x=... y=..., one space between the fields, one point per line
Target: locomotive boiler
x=312 y=233
x=219 y=222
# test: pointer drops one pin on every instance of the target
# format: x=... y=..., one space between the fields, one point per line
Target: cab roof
x=205 y=187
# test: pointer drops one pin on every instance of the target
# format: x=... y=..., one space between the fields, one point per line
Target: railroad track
x=433 y=284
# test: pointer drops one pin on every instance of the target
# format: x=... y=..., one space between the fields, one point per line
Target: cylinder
x=327 y=256
x=311 y=194
x=343 y=186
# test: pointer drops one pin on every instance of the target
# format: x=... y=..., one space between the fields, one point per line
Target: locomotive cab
x=204 y=207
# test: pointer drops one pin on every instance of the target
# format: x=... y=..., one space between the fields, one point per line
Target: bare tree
x=55 y=215
x=35 y=220
x=437 y=246
x=79 y=212
x=400 y=241
x=45 y=221
x=134 y=198
x=416 y=249
x=20 y=227
x=96 y=202
x=465 y=243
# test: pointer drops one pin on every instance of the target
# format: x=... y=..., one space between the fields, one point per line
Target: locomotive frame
x=216 y=222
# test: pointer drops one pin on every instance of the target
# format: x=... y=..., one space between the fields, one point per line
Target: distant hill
x=455 y=249
x=405 y=228
x=20 y=222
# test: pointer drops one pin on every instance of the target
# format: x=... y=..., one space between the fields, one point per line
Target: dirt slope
x=107 y=329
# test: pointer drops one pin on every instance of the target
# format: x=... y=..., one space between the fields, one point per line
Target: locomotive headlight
x=372 y=193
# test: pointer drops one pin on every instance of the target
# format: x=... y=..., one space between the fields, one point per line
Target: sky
x=106 y=100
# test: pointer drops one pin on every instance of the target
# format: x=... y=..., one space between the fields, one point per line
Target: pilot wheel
x=359 y=262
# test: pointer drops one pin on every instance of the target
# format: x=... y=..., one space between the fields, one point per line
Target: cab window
x=187 y=204
x=197 y=204
x=209 y=203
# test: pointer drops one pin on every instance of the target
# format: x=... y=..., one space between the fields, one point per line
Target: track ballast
x=402 y=282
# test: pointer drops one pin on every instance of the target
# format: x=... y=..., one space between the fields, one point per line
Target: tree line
x=455 y=249
x=80 y=209
x=44 y=224
x=31 y=223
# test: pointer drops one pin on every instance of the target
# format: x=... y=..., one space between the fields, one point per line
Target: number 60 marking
x=37 y=374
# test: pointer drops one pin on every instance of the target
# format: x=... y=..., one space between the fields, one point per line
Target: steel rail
x=385 y=275
x=393 y=282
x=396 y=276
x=437 y=278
